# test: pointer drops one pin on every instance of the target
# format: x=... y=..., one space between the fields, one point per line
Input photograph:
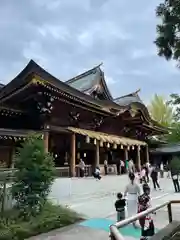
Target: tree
x=175 y=103
x=168 y=32
x=175 y=164
x=161 y=111
x=34 y=176
x=174 y=135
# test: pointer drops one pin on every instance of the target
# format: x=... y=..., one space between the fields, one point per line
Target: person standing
x=132 y=191
x=131 y=166
x=120 y=207
x=122 y=166
x=175 y=179
x=146 y=222
x=105 y=167
x=118 y=166
x=81 y=168
x=162 y=170
x=147 y=167
x=154 y=176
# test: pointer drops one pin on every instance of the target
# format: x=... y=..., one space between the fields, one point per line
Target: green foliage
x=175 y=164
x=168 y=41
x=174 y=135
x=33 y=178
x=175 y=102
x=51 y=217
x=161 y=111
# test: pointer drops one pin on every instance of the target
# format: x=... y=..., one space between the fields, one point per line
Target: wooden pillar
x=138 y=159
x=126 y=155
x=147 y=154
x=73 y=156
x=46 y=141
x=97 y=154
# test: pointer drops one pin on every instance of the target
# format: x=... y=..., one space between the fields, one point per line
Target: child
x=120 y=207
x=146 y=223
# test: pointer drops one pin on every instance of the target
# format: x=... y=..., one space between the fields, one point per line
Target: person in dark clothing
x=154 y=176
x=175 y=179
x=118 y=166
x=120 y=207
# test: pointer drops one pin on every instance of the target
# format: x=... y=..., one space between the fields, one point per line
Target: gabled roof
x=90 y=81
x=129 y=99
x=1 y=85
x=22 y=79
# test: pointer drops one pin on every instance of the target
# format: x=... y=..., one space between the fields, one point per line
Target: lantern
x=95 y=141
x=115 y=146
x=132 y=147
x=101 y=144
x=121 y=146
x=128 y=148
x=108 y=145
x=87 y=139
x=139 y=148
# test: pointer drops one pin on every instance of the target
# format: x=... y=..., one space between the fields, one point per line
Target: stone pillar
x=138 y=159
x=147 y=154
x=97 y=154
x=73 y=156
x=46 y=141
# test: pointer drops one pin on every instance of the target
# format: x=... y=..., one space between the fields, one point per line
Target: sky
x=68 y=37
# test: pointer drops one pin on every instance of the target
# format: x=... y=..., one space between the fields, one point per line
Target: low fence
x=114 y=229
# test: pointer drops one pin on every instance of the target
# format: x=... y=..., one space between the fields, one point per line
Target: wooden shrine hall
x=79 y=119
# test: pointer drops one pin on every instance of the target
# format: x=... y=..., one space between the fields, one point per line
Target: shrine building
x=78 y=118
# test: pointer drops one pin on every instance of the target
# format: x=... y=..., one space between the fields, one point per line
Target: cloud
x=68 y=37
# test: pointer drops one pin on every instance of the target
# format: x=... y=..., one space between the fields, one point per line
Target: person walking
x=175 y=179
x=154 y=176
x=132 y=191
x=81 y=168
x=105 y=167
x=161 y=170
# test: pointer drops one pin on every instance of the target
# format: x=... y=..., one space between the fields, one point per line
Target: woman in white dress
x=132 y=191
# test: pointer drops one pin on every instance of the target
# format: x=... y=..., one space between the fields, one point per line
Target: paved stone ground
x=95 y=200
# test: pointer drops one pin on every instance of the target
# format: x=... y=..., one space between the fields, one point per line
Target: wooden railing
x=114 y=229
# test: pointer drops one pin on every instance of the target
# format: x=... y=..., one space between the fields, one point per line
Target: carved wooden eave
x=8 y=111
x=33 y=74
x=14 y=135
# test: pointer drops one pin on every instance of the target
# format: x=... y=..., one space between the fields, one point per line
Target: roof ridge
x=86 y=73
x=130 y=94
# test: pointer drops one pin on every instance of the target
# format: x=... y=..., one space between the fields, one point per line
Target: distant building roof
x=172 y=148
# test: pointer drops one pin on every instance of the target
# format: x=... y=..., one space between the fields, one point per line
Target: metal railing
x=114 y=229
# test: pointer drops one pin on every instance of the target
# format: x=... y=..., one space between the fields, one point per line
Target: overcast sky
x=67 y=37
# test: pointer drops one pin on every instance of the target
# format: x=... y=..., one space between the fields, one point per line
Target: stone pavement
x=95 y=200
